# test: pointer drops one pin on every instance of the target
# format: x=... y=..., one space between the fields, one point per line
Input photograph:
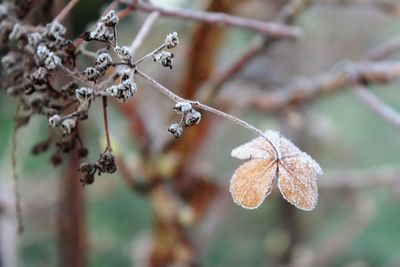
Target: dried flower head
x=165 y=58
x=84 y=94
x=124 y=53
x=171 y=41
x=193 y=117
x=110 y=19
x=55 y=120
x=182 y=107
x=91 y=73
x=68 y=125
x=273 y=156
x=176 y=129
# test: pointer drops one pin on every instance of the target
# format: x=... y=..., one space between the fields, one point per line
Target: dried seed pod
x=171 y=41
x=176 y=129
x=68 y=125
x=55 y=120
x=106 y=163
x=124 y=53
x=165 y=58
x=84 y=94
x=110 y=19
x=182 y=107
x=55 y=29
x=91 y=73
x=52 y=61
x=193 y=117
x=103 y=61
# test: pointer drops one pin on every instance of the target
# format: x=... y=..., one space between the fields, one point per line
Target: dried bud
x=113 y=90
x=176 y=129
x=182 y=107
x=68 y=125
x=129 y=89
x=103 y=61
x=55 y=120
x=52 y=61
x=165 y=58
x=91 y=73
x=171 y=41
x=193 y=117
x=34 y=39
x=124 y=53
x=83 y=152
x=106 y=163
x=55 y=29
x=39 y=76
x=110 y=19
x=100 y=33
x=17 y=32
x=56 y=159
x=42 y=52
x=83 y=94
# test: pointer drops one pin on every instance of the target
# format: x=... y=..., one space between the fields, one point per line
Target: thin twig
x=270 y=29
x=199 y=105
x=66 y=10
x=144 y=30
x=106 y=128
x=149 y=55
x=385 y=50
x=386 y=112
x=17 y=195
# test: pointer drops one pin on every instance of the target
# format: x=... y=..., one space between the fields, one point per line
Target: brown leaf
x=252 y=182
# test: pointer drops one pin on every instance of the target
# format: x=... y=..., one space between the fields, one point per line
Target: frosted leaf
x=252 y=182
x=297 y=172
x=297 y=181
x=258 y=148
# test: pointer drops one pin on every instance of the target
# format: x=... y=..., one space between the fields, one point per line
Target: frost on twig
x=271 y=157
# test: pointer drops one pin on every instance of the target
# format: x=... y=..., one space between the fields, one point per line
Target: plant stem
x=65 y=11
x=144 y=30
x=106 y=129
x=149 y=55
x=17 y=195
x=197 y=104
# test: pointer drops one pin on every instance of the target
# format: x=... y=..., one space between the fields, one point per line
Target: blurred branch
x=306 y=89
x=66 y=10
x=360 y=179
x=378 y=106
x=287 y=16
x=144 y=30
x=270 y=29
x=71 y=218
x=385 y=50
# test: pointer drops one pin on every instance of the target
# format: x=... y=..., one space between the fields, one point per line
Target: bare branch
x=303 y=90
x=66 y=10
x=270 y=29
x=386 y=112
x=384 y=51
x=144 y=31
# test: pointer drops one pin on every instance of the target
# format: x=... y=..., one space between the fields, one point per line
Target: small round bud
x=17 y=32
x=124 y=53
x=83 y=152
x=176 y=129
x=103 y=61
x=165 y=58
x=113 y=90
x=68 y=125
x=52 y=61
x=42 y=52
x=193 y=117
x=182 y=107
x=55 y=29
x=34 y=39
x=91 y=73
x=83 y=94
x=55 y=120
x=110 y=19
x=171 y=41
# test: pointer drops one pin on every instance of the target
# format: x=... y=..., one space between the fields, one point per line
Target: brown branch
x=106 y=128
x=143 y=32
x=386 y=112
x=270 y=29
x=385 y=50
x=66 y=10
x=307 y=89
x=287 y=16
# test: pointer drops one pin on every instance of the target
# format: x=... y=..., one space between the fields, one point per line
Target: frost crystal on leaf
x=273 y=156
